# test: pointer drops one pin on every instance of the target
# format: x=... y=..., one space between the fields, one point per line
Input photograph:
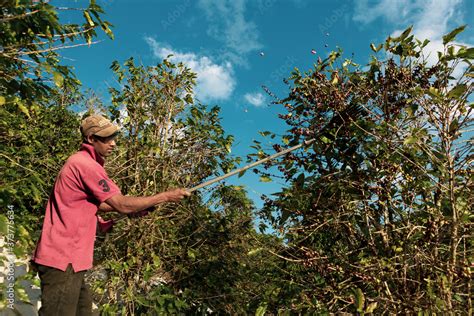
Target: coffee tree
x=37 y=128
x=376 y=217
x=189 y=257
x=377 y=214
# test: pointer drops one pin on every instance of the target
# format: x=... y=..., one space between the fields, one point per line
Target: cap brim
x=106 y=132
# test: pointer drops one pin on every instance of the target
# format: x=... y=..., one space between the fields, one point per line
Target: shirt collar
x=91 y=151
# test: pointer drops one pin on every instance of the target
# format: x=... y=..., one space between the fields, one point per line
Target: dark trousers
x=64 y=293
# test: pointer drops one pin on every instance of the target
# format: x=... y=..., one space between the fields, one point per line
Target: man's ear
x=90 y=139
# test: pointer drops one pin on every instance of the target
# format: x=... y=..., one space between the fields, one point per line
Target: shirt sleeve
x=98 y=183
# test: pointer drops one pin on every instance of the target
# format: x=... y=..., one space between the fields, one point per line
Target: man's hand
x=105 y=226
x=176 y=195
x=133 y=204
x=141 y=213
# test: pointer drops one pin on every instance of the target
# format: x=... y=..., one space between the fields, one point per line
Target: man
x=65 y=249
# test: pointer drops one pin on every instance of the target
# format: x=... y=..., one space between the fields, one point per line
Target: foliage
x=173 y=261
x=37 y=130
x=30 y=65
x=377 y=216
x=185 y=258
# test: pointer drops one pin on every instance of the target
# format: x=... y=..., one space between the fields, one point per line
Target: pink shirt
x=70 y=221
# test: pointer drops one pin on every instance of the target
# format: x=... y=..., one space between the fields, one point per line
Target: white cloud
x=227 y=23
x=257 y=99
x=392 y=10
x=214 y=81
x=431 y=19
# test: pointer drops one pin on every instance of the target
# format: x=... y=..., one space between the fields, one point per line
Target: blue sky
x=235 y=46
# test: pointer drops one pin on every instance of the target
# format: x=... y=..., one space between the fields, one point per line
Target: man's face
x=103 y=145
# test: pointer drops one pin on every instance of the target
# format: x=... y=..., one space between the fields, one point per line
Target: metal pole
x=349 y=113
x=229 y=174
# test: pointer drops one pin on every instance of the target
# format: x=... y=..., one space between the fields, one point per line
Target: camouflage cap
x=98 y=125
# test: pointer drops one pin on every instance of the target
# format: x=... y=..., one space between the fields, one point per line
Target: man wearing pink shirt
x=65 y=249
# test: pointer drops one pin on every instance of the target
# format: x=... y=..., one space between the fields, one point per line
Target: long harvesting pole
x=350 y=113
x=229 y=174
x=256 y=163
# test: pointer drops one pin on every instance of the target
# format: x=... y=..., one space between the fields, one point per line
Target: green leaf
x=451 y=35
x=3 y=224
x=411 y=110
x=284 y=216
x=372 y=306
x=466 y=53
x=453 y=126
x=58 y=79
x=241 y=173
x=88 y=38
x=23 y=108
x=254 y=251
x=20 y=294
x=300 y=180
x=105 y=27
x=265 y=133
x=2 y=100
x=410 y=140
x=359 y=299
x=457 y=91
x=115 y=66
x=88 y=18
x=433 y=92
x=376 y=48
x=191 y=254
x=261 y=309
x=406 y=32
x=325 y=140
x=265 y=179
x=403 y=35
x=188 y=98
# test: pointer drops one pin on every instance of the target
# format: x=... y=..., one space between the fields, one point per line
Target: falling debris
x=327 y=34
x=325 y=45
x=246 y=110
x=334 y=78
x=313 y=51
x=262 y=54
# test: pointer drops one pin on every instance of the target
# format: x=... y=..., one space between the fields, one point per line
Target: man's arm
x=104 y=207
x=131 y=204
